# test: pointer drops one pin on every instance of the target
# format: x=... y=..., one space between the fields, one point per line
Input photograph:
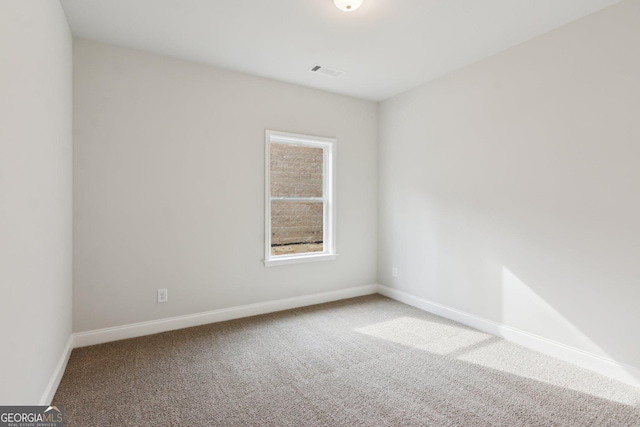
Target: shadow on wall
x=565 y=273
x=552 y=312
x=500 y=264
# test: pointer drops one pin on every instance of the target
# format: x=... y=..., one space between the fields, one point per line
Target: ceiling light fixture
x=348 y=5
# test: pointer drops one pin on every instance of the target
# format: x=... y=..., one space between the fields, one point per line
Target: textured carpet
x=366 y=361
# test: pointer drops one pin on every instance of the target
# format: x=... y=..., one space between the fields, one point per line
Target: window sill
x=297 y=259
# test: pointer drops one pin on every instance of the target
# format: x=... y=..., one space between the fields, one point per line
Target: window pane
x=296 y=227
x=296 y=171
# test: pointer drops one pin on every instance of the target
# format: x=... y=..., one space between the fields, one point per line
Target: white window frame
x=329 y=146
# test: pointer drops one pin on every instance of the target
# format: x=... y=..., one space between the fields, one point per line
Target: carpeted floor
x=367 y=361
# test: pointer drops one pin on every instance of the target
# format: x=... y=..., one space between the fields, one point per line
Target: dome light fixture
x=348 y=5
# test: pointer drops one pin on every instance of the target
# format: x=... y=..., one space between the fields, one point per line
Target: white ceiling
x=385 y=47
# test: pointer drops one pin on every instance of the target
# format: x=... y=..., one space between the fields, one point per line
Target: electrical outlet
x=394 y=271
x=163 y=295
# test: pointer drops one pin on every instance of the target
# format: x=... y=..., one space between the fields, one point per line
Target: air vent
x=326 y=71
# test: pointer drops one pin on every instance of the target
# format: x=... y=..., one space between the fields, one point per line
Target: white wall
x=35 y=196
x=510 y=188
x=169 y=186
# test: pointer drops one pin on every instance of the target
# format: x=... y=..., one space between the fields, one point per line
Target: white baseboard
x=100 y=336
x=612 y=369
x=54 y=382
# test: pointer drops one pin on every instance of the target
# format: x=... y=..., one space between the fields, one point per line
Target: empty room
x=320 y=213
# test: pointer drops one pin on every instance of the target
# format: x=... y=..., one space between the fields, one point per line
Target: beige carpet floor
x=366 y=361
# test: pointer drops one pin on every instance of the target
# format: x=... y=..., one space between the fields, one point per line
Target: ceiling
x=384 y=48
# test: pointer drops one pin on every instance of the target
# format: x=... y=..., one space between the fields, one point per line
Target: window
x=300 y=204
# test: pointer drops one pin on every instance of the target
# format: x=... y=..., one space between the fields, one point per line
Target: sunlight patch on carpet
x=507 y=357
x=435 y=337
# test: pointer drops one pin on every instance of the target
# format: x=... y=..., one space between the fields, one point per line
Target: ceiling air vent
x=326 y=71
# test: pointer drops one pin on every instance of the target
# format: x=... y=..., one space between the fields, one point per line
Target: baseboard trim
x=56 y=377
x=101 y=336
x=608 y=367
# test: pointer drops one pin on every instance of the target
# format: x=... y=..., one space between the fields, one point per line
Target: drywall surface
x=35 y=196
x=169 y=186
x=509 y=189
